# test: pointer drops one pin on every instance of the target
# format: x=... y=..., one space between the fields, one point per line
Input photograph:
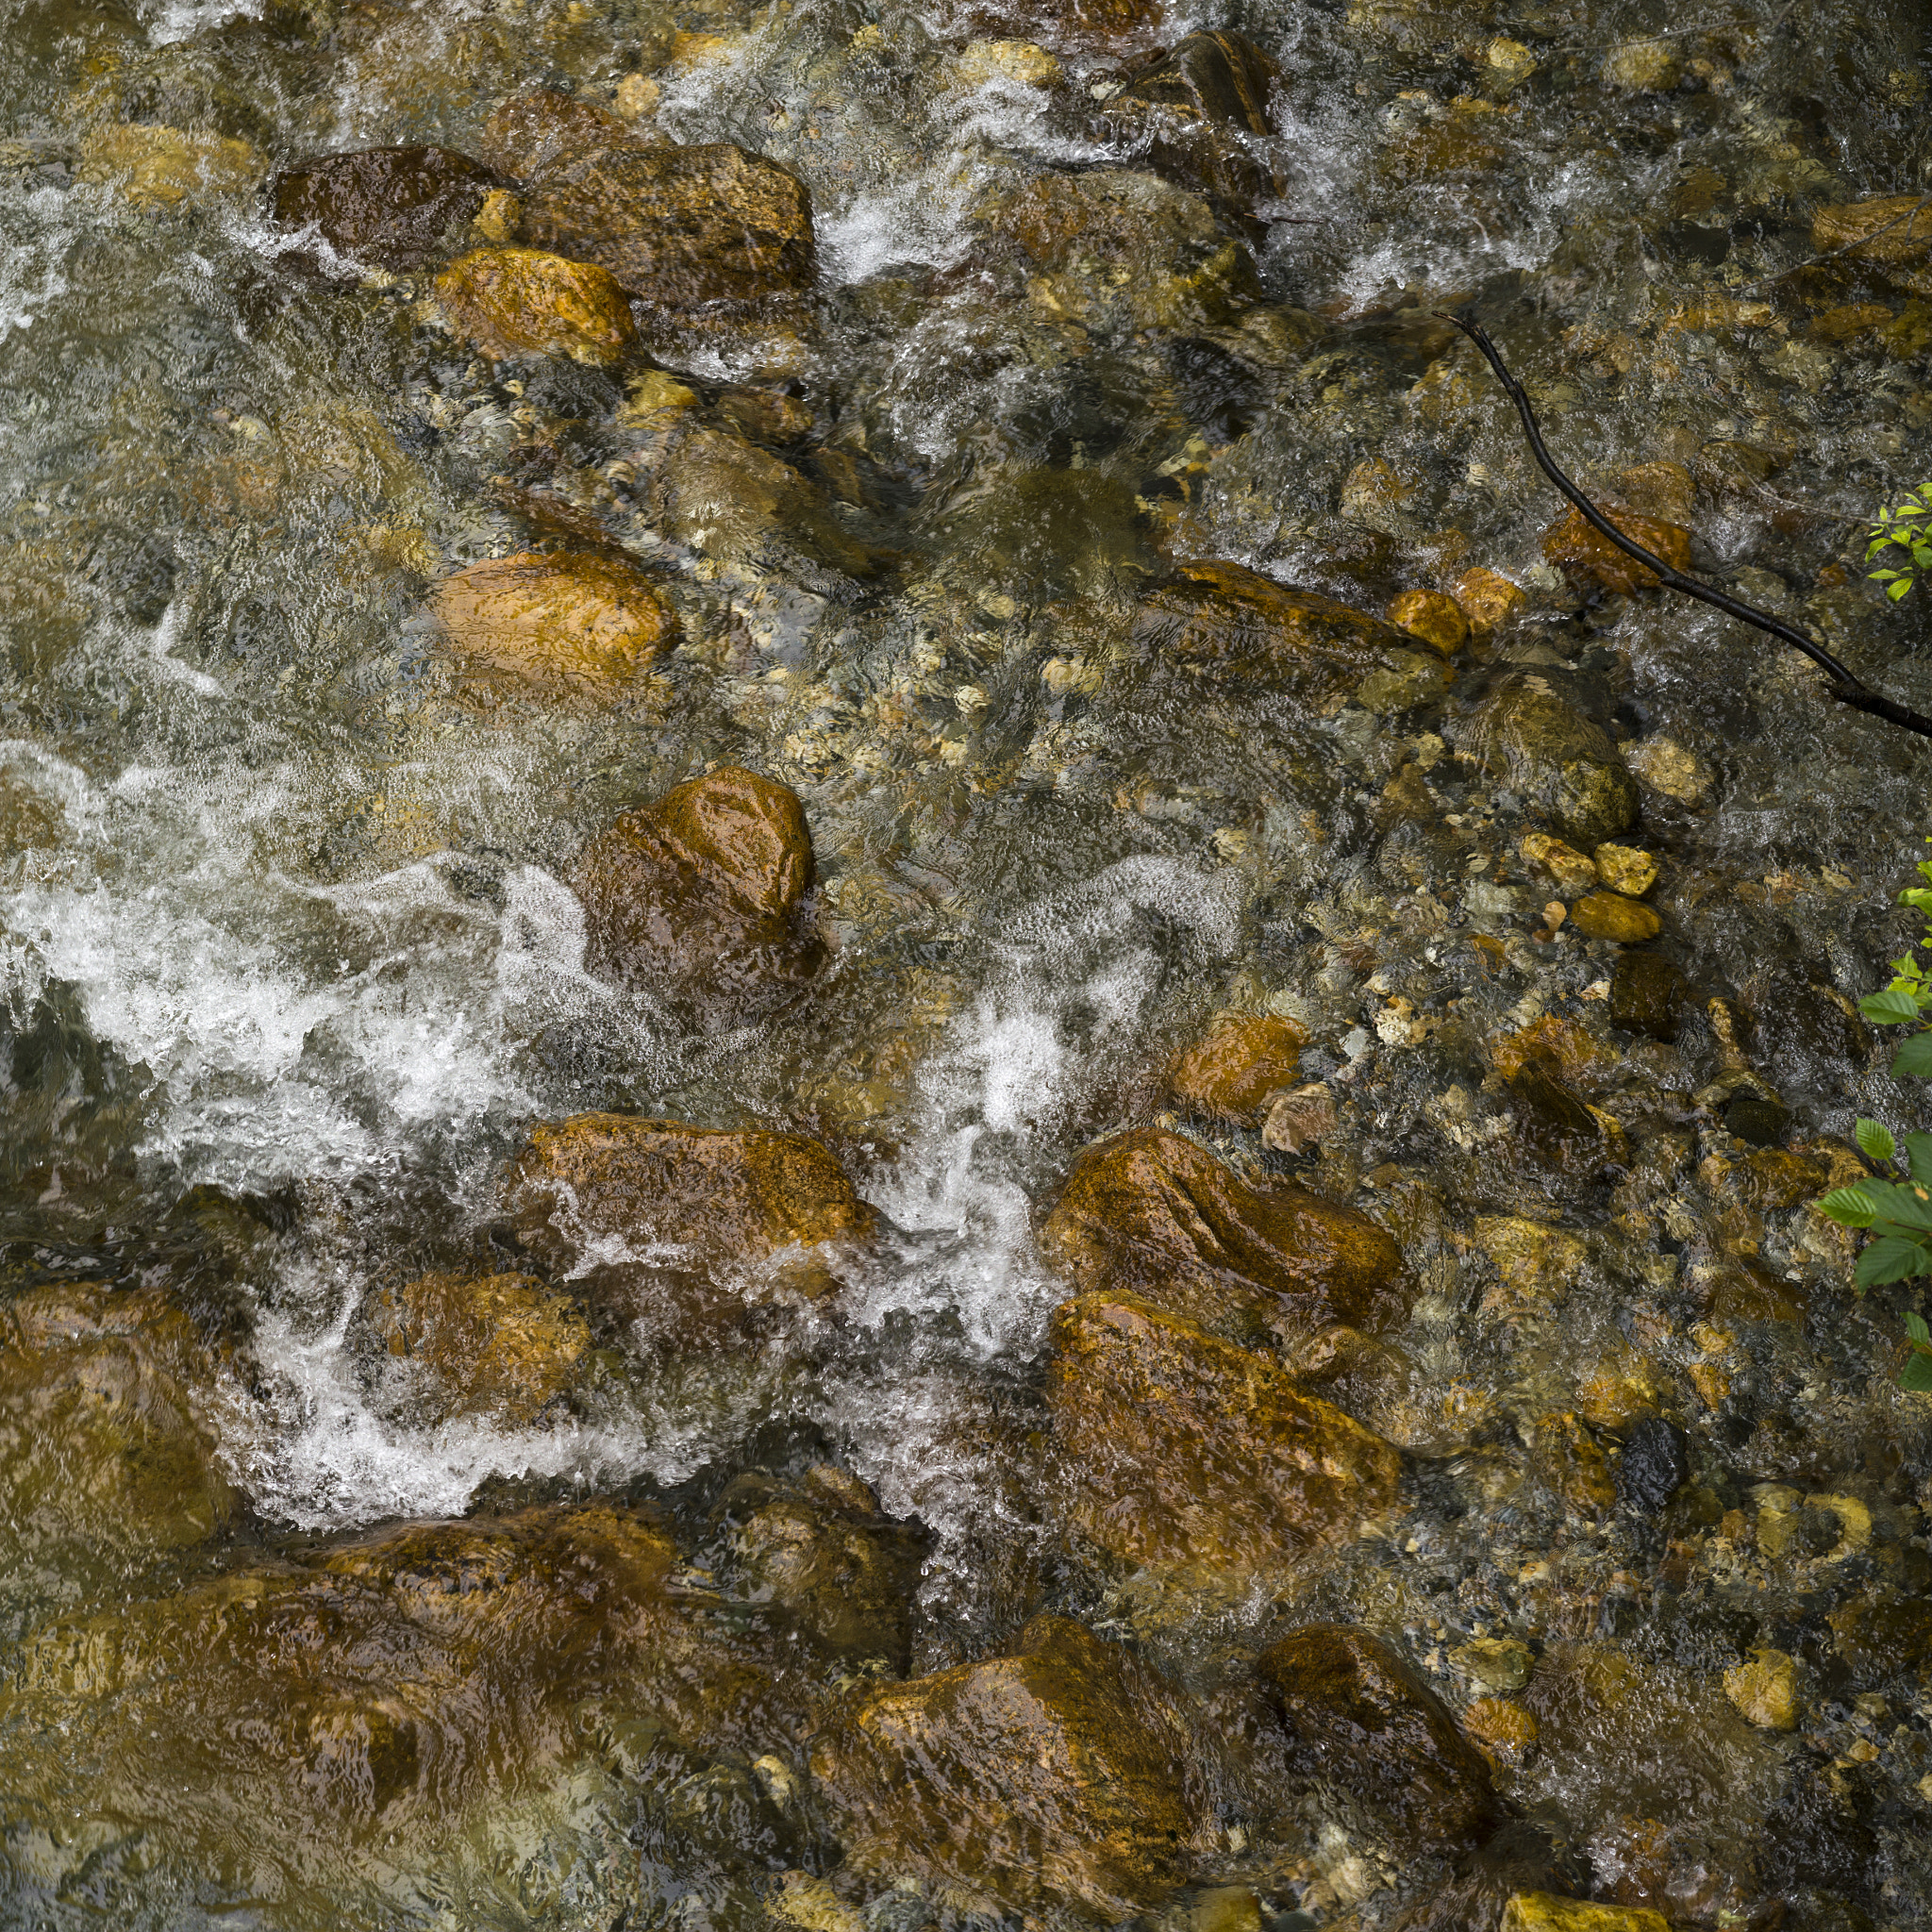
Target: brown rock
x=1573 y=546
x=822 y=1552
x=1574 y=870
x=1558 y=758
x=576 y=622
x=1220 y=617
x=681 y=228
x=522 y=302
x=1113 y=26
x=1057 y=1775
x=703 y=897
x=1503 y=1731
x=1610 y=916
x=498 y=1344
x=1563 y=1046
x=1151 y=1214
x=1300 y=1119
x=1362 y=1718
x=532 y=129
x=1567 y=1460
x=1204 y=94
x=397 y=206
x=1536 y=1264
x=1487 y=599
x=1893 y=229
x=1230 y=1072
x=1439 y=622
x=1648 y=994
x=1557 y=1131
x=1186 y=1449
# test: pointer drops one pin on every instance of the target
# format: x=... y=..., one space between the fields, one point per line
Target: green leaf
x=1916 y=1331
x=1914 y=1057
x=1883 y=576
x=1874 y=1140
x=1888 y=1009
x=1849 y=1207
x=1916 y=1376
x=1899 y=589
x=1919 y=1158
x=1892 y=1258
x=1908 y=1206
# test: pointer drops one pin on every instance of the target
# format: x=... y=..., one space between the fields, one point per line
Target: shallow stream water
x=291 y=959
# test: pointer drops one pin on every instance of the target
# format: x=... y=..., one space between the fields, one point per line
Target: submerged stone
x=1648 y=994
x=1765 y=1690
x=1182 y=1448
x=522 y=302
x=500 y=1346
x=1610 y=916
x=703 y=897
x=1561 y=761
x=1544 y=1912
x=1437 y=620
x=1360 y=1717
x=156 y=167
x=705 y=1216
x=1653 y=1466
x=575 y=622
x=398 y=206
x=1206 y=92
x=1574 y=546
x=1055 y=1776
x=1151 y=1214
x=1232 y=1069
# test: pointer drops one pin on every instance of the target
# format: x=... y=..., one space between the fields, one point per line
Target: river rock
x=1626 y=869
x=533 y=127
x=1206 y=92
x=683 y=229
x=1222 y=618
x=156 y=167
x=497 y=1345
x=592 y=1195
x=1055 y=1776
x=1487 y=599
x=704 y=897
x=576 y=624
x=1105 y=26
x=522 y=302
x=1439 y=620
x=1362 y=1718
x=1648 y=994
x=1182 y=1448
x=821 y=1551
x=396 y=206
x=1765 y=1690
x=1230 y=1072
x=1610 y=916
x=1544 y=1911
x=1892 y=233
x=1559 y=760
x=1668 y=767
x=1149 y=1214
x=1584 y=552
x=1300 y=1119
x=106 y=1401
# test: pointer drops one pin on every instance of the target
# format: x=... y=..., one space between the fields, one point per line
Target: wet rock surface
x=395 y=206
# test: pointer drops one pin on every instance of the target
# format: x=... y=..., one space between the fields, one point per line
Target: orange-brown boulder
x=397 y=206
x=1573 y=546
x=1181 y=1448
x=682 y=1220
x=1362 y=1718
x=1230 y=1072
x=574 y=623
x=1151 y=1214
x=522 y=302
x=702 y=897
x=1057 y=1775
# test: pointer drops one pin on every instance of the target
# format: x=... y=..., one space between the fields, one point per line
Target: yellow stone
x=636 y=97
x=1535 y=1263
x=500 y=1344
x=162 y=167
x=1626 y=869
x=522 y=302
x=1504 y=1732
x=1765 y=1690
x=1666 y=766
x=1643 y=66
x=1488 y=599
x=1497 y=1663
x=983 y=61
x=812 y=1906
x=1510 y=61
x=1225 y=1909
x=655 y=398
x=1574 y=870
x=1544 y=1912
x=1437 y=620
x=498 y=218
x=1610 y=916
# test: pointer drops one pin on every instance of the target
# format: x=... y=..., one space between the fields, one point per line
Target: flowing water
x=291 y=959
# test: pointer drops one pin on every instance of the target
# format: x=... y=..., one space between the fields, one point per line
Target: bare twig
x=1846 y=686
x=1904 y=214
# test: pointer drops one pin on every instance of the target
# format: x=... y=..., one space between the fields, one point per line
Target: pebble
x=1610 y=916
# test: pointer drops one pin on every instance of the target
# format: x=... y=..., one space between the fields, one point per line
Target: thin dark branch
x=1846 y=686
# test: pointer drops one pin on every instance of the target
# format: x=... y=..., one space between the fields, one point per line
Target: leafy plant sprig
x=1898 y=1212
x=1907 y=526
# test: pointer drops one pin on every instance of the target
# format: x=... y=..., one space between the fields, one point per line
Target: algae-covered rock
x=398 y=206
x=1891 y=232
x=703 y=897
x=1648 y=994
x=106 y=1427
x=1151 y=1214
x=1362 y=1718
x=1201 y=96
x=693 y=1217
x=1230 y=1072
x=1182 y=1448
x=522 y=302
x=1544 y=1911
x=577 y=623
x=501 y=1345
x=1221 y=619
x=1055 y=1776
x=1559 y=759
x=822 y=1550
x=1610 y=916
